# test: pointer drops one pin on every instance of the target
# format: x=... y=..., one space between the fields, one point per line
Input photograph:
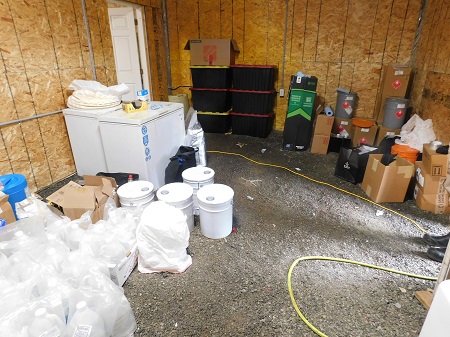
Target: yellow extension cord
x=289 y=279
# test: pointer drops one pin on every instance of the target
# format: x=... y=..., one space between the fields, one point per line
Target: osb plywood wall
x=43 y=48
x=431 y=87
x=342 y=42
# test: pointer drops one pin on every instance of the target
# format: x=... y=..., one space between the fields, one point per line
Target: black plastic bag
x=184 y=159
x=352 y=163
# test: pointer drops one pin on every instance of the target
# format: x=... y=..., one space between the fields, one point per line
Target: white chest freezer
x=85 y=140
x=143 y=142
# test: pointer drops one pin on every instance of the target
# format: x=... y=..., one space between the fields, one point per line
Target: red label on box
x=340 y=128
x=209 y=54
x=363 y=140
x=345 y=105
x=397 y=84
x=399 y=114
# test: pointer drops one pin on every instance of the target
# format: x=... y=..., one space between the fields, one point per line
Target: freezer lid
x=156 y=110
x=94 y=113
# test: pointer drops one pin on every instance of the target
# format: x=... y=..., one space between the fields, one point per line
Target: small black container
x=253 y=77
x=252 y=101
x=218 y=77
x=204 y=99
x=214 y=122
x=252 y=124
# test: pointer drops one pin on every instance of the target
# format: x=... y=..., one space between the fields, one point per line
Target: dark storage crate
x=252 y=101
x=218 y=100
x=214 y=122
x=218 y=77
x=253 y=77
x=252 y=124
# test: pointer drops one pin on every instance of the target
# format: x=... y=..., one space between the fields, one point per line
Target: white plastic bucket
x=179 y=195
x=216 y=210
x=136 y=193
x=197 y=177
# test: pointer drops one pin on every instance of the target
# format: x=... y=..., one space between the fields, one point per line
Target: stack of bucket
x=211 y=97
x=253 y=97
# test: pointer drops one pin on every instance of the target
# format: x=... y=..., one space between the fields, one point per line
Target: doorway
x=129 y=41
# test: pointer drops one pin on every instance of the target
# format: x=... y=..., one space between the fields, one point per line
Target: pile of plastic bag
x=416 y=132
x=55 y=273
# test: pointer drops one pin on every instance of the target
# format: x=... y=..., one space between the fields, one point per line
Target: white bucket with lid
x=136 y=193
x=197 y=177
x=216 y=210
x=179 y=195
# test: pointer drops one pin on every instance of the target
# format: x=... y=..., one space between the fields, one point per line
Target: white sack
x=416 y=132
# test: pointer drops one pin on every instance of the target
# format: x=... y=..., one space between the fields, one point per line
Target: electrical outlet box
x=281 y=92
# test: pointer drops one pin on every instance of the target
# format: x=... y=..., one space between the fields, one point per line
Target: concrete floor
x=237 y=286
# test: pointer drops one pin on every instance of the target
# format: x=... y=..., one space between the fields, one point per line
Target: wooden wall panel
x=187 y=22
x=226 y=19
x=209 y=19
x=333 y=75
x=21 y=96
x=333 y=18
x=359 y=31
x=255 y=43
x=298 y=31
x=8 y=109
x=394 y=35
x=5 y=163
x=409 y=32
x=311 y=30
x=10 y=49
x=442 y=49
x=238 y=28
x=275 y=40
x=382 y=19
x=366 y=77
x=47 y=86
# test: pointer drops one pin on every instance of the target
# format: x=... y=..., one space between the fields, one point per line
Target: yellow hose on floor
x=291 y=292
x=323 y=183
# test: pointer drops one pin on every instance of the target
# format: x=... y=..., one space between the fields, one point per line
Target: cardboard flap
x=98 y=180
x=108 y=187
x=58 y=196
x=3 y=199
x=100 y=197
x=81 y=197
x=235 y=46
x=188 y=45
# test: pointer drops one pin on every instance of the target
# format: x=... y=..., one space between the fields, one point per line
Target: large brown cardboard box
x=6 y=211
x=323 y=125
x=427 y=183
x=320 y=144
x=387 y=183
x=364 y=136
x=212 y=52
x=395 y=81
x=341 y=124
x=383 y=132
x=434 y=163
x=76 y=200
x=435 y=203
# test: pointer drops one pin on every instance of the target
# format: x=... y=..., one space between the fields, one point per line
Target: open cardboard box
x=75 y=200
x=119 y=273
x=6 y=211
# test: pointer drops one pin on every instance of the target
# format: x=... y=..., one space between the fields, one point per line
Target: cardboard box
x=435 y=203
x=387 y=183
x=427 y=183
x=76 y=200
x=434 y=163
x=385 y=132
x=6 y=211
x=320 y=144
x=119 y=273
x=364 y=136
x=395 y=82
x=299 y=116
x=323 y=125
x=212 y=52
x=341 y=124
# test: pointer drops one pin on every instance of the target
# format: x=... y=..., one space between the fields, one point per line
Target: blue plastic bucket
x=16 y=187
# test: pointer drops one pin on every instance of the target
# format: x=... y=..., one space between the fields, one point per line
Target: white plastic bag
x=416 y=132
x=195 y=137
x=162 y=237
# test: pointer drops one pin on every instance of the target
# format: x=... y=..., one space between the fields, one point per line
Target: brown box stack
x=321 y=136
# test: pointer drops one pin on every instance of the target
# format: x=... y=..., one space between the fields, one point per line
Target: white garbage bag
x=162 y=237
x=416 y=132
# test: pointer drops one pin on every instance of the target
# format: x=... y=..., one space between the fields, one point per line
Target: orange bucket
x=406 y=152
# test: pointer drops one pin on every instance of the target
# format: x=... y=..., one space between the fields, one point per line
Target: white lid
x=215 y=194
x=198 y=173
x=135 y=189
x=141 y=117
x=174 y=192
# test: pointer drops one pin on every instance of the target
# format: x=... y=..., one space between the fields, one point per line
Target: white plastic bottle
x=85 y=322
x=45 y=324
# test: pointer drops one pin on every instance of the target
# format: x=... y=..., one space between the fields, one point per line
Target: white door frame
x=142 y=42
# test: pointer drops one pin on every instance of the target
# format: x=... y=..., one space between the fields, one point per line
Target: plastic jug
x=85 y=322
x=45 y=324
